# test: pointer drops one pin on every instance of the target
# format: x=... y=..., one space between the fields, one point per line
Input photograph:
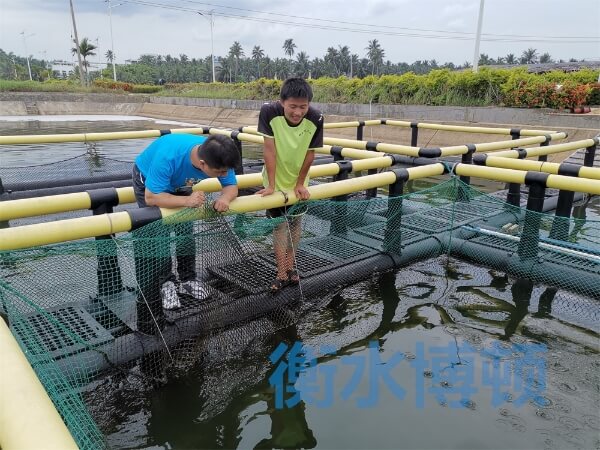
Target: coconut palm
x=510 y=59
x=375 y=54
x=235 y=53
x=258 y=54
x=529 y=56
x=289 y=48
x=86 y=49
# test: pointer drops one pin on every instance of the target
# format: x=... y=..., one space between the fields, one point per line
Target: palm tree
x=511 y=59
x=546 y=58
x=375 y=54
x=289 y=48
x=110 y=56
x=529 y=56
x=86 y=49
x=235 y=53
x=258 y=54
x=302 y=65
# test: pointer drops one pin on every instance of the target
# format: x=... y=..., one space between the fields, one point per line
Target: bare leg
x=295 y=230
x=280 y=245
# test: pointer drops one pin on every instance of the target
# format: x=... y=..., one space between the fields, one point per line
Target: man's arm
x=166 y=200
x=301 y=191
x=270 y=164
x=228 y=193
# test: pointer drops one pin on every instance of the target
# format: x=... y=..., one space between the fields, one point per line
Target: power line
x=353 y=30
x=379 y=25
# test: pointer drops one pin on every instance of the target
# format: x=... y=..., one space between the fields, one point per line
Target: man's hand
x=195 y=200
x=266 y=191
x=221 y=204
x=301 y=192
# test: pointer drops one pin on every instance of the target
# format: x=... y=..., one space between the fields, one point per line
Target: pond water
x=441 y=354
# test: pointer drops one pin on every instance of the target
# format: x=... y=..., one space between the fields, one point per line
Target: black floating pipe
x=239 y=168
x=528 y=246
x=46 y=184
x=414 y=134
x=561 y=222
x=108 y=271
x=544 y=158
x=371 y=193
x=359 y=130
x=467 y=158
x=64 y=189
x=392 y=238
x=590 y=154
x=341 y=207
x=211 y=317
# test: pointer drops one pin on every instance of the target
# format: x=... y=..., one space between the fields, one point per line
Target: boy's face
x=294 y=109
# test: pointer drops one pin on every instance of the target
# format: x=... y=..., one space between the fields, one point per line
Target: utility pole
x=77 y=45
x=112 y=44
x=27 y=53
x=478 y=37
x=212 y=46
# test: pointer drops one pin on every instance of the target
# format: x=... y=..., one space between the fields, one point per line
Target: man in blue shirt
x=166 y=170
x=163 y=175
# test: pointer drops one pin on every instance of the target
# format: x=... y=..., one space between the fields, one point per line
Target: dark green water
x=225 y=400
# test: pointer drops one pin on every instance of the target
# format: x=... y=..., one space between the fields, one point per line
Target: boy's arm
x=270 y=163
x=228 y=193
x=300 y=190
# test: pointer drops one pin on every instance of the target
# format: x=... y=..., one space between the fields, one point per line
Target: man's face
x=294 y=109
x=211 y=171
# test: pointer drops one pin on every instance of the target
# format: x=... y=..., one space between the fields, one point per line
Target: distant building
x=548 y=67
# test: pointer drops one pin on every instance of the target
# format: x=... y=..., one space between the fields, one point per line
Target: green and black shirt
x=291 y=142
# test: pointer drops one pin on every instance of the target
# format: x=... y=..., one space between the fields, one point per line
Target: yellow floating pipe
x=491 y=173
x=592 y=173
x=573 y=184
x=64 y=230
x=349 y=152
x=518 y=176
x=52 y=204
x=548 y=149
x=499 y=145
x=28 y=418
x=468 y=129
x=86 y=227
x=521 y=164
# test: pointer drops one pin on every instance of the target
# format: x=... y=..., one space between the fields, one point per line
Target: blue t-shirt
x=166 y=165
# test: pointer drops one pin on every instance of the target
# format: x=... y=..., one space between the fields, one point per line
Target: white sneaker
x=168 y=293
x=194 y=288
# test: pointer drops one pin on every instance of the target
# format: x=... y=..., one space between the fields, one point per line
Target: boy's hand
x=195 y=200
x=221 y=205
x=266 y=191
x=301 y=192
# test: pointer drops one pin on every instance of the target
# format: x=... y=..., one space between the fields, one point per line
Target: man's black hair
x=219 y=152
x=296 y=88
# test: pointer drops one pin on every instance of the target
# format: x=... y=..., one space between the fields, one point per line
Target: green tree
x=86 y=48
x=375 y=55
x=546 y=58
x=235 y=53
x=289 y=48
x=529 y=56
x=257 y=55
x=510 y=59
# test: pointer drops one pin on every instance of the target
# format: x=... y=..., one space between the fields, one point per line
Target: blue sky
x=408 y=30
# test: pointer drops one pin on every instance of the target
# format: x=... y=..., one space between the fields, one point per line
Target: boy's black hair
x=219 y=152
x=296 y=88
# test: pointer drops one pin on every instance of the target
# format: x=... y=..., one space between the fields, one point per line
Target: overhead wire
x=379 y=31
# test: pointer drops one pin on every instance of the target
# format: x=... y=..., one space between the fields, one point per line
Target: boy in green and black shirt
x=290 y=127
